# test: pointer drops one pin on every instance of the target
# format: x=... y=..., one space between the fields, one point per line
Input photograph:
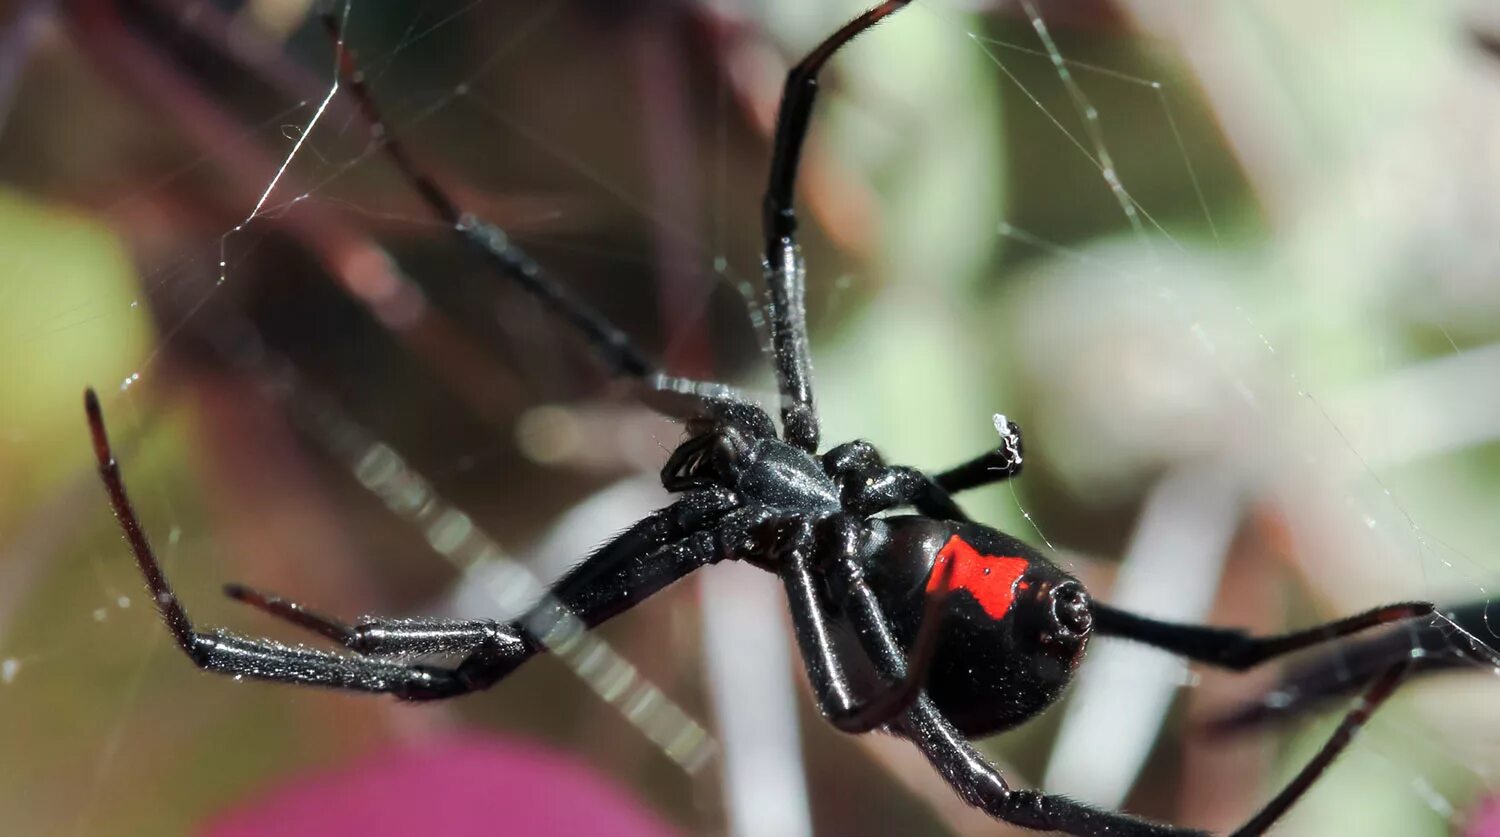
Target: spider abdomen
x=1014 y=626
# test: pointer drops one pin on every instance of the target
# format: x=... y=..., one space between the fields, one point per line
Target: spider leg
x=599 y=589
x=613 y=347
x=978 y=782
x=898 y=485
x=608 y=582
x=1234 y=649
x=986 y=469
x=658 y=550
x=297 y=614
x=868 y=486
x=997 y=465
x=838 y=698
x=785 y=271
x=1343 y=668
x=380 y=636
x=1380 y=689
x=1314 y=687
x=229 y=653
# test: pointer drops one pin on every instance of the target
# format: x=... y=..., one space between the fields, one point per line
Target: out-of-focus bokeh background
x=1234 y=267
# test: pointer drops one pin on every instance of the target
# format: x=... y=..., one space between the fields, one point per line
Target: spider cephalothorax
x=929 y=625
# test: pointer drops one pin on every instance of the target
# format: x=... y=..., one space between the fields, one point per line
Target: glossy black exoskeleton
x=929 y=625
x=1013 y=628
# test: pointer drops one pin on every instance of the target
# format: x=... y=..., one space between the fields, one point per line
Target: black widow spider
x=966 y=630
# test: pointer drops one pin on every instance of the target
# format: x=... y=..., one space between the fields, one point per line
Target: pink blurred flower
x=1484 y=820
x=452 y=787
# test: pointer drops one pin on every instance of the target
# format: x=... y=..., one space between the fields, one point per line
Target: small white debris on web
x=9 y=668
x=122 y=602
x=1008 y=438
x=100 y=614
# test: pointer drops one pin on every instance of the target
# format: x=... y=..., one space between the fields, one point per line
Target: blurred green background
x=1250 y=244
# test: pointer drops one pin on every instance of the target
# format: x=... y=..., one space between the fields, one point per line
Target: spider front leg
x=612 y=346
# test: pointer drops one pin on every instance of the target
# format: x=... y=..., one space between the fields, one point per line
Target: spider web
x=1230 y=272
